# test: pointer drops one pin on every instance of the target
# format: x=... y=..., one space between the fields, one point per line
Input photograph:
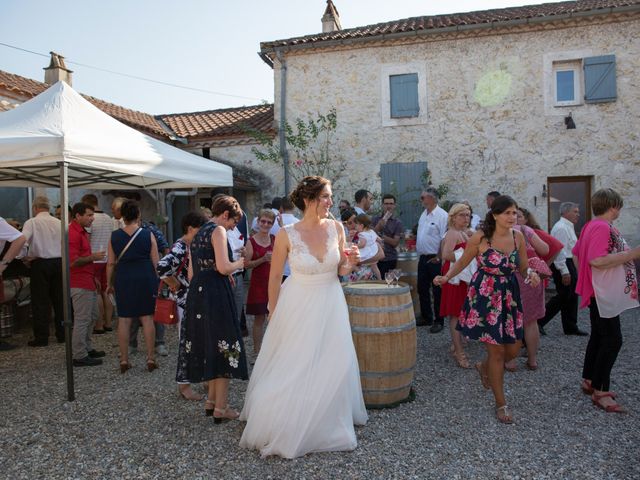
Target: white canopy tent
x=59 y=139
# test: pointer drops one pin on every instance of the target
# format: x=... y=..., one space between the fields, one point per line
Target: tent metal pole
x=66 y=291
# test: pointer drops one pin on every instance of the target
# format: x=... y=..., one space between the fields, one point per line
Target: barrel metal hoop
x=393 y=308
x=386 y=390
x=377 y=292
x=387 y=374
x=380 y=330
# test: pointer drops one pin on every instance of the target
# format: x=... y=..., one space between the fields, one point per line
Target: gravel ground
x=135 y=426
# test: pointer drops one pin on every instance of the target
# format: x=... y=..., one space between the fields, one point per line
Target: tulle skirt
x=304 y=394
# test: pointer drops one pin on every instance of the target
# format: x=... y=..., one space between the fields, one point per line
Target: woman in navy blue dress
x=492 y=312
x=213 y=342
x=135 y=282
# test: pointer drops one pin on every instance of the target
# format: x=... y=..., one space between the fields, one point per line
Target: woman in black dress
x=136 y=282
x=213 y=342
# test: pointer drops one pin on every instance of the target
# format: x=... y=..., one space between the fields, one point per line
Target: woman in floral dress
x=213 y=342
x=173 y=270
x=492 y=312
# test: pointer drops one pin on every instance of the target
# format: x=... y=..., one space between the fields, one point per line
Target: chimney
x=331 y=18
x=57 y=70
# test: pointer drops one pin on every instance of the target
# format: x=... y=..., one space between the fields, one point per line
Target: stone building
x=540 y=102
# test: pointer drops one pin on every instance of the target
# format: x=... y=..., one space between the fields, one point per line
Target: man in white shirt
x=100 y=236
x=363 y=199
x=237 y=241
x=17 y=240
x=432 y=227
x=285 y=217
x=42 y=233
x=564 y=274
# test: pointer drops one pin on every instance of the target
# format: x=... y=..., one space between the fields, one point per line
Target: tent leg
x=66 y=291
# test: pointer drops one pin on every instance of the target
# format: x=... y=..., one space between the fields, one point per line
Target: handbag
x=540 y=267
x=166 y=311
x=126 y=247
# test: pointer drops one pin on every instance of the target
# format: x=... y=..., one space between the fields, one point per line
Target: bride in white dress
x=304 y=394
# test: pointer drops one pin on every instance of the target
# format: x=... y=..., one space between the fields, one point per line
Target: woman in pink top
x=601 y=247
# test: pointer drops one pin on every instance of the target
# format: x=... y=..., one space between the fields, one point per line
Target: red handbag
x=166 y=311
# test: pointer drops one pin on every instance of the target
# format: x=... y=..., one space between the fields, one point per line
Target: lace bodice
x=303 y=261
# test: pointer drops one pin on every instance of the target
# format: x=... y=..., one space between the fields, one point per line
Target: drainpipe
x=169 y=203
x=283 y=118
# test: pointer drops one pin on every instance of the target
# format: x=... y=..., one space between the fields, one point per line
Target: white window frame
x=389 y=69
x=575 y=67
x=557 y=61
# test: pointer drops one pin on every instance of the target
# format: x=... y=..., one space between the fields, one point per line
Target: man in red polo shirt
x=83 y=287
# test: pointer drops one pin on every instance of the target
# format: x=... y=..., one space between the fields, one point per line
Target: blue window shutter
x=404 y=95
x=600 y=79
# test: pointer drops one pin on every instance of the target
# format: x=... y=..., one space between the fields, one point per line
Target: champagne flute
x=397 y=273
x=388 y=277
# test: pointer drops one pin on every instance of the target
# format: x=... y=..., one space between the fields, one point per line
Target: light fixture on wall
x=544 y=191
x=568 y=121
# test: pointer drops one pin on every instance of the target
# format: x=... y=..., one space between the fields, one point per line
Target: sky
x=202 y=44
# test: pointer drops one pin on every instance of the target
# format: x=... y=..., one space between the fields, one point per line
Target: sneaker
x=96 y=353
x=87 y=362
x=437 y=327
x=162 y=350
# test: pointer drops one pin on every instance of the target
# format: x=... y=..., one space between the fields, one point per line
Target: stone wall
x=487 y=126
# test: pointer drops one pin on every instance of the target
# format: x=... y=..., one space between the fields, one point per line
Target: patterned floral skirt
x=213 y=346
x=492 y=311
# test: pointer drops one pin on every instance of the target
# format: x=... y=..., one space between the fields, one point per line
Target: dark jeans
x=602 y=350
x=564 y=301
x=427 y=271
x=385 y=265
x=46 y=292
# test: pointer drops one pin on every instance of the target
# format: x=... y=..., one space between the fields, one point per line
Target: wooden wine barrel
x=408 y=263
x=384 y=334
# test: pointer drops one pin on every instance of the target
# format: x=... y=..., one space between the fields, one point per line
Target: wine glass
x=397 y=273
x=388 y=277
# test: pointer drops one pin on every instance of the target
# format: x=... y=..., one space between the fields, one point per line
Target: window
x=576 y=78
x=404 y=95
x=567 y=85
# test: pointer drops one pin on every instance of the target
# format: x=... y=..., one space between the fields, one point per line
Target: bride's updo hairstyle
x=499 y=205
x=308 y=189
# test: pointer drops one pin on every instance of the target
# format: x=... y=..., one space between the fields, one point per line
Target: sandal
x=509 y=368
x=208 y=412
x=503 y=414
x=615 y=408
x=462 y=360
x=531 y=367
x=224 y=414
x=193 y=396
x=151 y=365
x=124 y=366
x=586 y=387
x=483 y=377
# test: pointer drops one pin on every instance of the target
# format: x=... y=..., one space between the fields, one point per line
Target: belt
x=429 y=256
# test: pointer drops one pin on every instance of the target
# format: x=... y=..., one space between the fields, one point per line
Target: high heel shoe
x=151 y=365
x=208 y=412
x=224 y=414
x=124 y=366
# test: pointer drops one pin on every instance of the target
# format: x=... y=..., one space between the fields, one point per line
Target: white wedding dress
x=304 y=394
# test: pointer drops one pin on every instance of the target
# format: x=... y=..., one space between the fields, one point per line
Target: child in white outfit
x=367 y=242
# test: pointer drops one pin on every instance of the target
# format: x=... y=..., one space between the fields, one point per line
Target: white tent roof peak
x=60 y=125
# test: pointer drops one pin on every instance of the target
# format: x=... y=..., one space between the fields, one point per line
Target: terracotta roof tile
x=27 y=87
x=435 y=22
x=221 y=123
